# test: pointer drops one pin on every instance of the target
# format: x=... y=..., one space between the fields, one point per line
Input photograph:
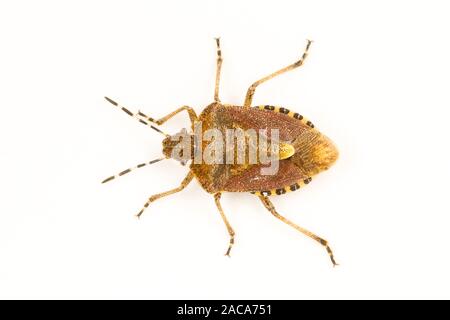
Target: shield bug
x=301 y=149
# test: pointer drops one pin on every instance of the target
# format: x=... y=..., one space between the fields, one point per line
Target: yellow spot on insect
x=286 y=150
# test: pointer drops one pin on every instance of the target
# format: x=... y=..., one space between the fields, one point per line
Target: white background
x=376 y=82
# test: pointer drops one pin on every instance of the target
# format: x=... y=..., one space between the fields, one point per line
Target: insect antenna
x=124 y=172
x=137 y=116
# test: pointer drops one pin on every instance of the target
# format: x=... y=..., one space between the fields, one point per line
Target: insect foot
x=305 y=54
x=230 y=246
x=150 y=200
x=156 y=197
x=143 y=209
x=330 y=252
x=230 y=230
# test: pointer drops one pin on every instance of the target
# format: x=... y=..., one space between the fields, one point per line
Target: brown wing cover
x=251 y=118
x=252 y=179
x=215 y=178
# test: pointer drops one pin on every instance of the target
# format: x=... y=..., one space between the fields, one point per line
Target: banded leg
x=218 y=68
x=251 y=90
x=134 y=115
x=124 y=172
x=155 y=197
x=143 y=118
x=225 y=220
x=190 y=111
x=269 y=206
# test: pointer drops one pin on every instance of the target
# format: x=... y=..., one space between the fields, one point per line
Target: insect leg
x=144 y=119
x=135 y=115
x=251 y=90
x=190 y=111
x=155 y=197
x=219 y=67
x=225 y=220
x=269 y=206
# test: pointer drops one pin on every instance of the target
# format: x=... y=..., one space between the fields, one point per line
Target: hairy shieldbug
x=303 y=150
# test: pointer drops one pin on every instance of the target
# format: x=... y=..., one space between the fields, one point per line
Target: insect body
x=303 y=151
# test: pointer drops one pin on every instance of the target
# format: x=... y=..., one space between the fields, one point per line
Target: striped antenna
x=124 y=172
x=136 y=116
